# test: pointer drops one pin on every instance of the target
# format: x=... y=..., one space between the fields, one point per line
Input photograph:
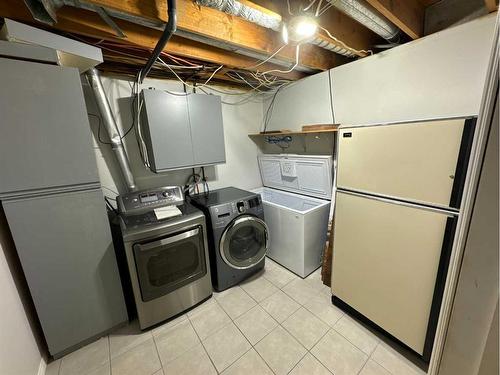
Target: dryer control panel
x=146 y=200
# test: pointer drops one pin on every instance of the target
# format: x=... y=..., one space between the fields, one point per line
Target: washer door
x=244 y=242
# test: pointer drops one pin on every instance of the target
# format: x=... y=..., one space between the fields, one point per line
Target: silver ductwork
x=235 y=8
x=111 y=127
x=366 y=15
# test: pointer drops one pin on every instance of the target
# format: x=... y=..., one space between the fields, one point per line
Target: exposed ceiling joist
x=340 y=25
x=210 y=25
x=88 y=23
x=408 y=15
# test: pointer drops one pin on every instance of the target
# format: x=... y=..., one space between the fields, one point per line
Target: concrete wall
x=439 y=76
x=240 y=170
x=19 y=353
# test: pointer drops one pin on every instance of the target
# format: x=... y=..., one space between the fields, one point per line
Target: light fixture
x=300 y=28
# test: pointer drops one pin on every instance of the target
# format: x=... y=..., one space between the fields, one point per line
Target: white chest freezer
x=296 y=197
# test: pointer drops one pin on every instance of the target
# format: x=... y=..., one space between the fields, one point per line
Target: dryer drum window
x=244 y=242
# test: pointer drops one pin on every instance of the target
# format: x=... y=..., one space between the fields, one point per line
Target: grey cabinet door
x=67 y=255
x=207 y=132
x=169 y=133
x=45 y=139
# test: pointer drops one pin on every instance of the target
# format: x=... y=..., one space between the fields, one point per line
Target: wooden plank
x=221 y=27
x=88 y=23
x=289 y=132
x=408 y=15
x=491 y=5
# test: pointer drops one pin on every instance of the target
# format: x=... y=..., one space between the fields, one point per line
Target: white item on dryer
x=297 y=223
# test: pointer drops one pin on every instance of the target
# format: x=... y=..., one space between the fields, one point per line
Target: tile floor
x=273 y=323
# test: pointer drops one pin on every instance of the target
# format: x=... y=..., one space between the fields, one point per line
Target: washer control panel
x=224 y=213
x=146 y=200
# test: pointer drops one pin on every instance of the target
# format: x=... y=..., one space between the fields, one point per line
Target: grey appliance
x=238 y=235
x=167 y=258
x=399 y=191
x=53 y=203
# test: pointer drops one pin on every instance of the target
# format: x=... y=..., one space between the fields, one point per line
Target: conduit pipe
x=170 y=28
x=111 y=127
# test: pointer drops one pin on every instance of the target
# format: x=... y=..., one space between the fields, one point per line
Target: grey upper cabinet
x=207 y=133
x=167 y=132
x=182 y=131
x=41 y=107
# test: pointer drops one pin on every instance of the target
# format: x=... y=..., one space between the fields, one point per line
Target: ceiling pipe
x=111 y=127
x=170 y=28
x=368 y=16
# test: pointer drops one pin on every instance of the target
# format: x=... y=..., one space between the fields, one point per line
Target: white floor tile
x=255 y=324
x=236 y=302
x=103 y=370
x=280 y=351
x=279 y=276
x=126 y=338
x=373 y=368
x=339 y=355
x=258 y=287
x=209 y=319
x=305 y=327
x=142 y=359
x=300 y=290
x=86 y=359
x=175 y=341
x=309 y=366
x=193 y=362
x=357 y=334
x=394 y=362
x=280 y=306
x=158 y=330
x=53 y=367
x=225 y=346
x=249 y=364
x=322 y=307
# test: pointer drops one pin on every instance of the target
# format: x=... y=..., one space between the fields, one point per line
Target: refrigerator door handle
x=449 y=212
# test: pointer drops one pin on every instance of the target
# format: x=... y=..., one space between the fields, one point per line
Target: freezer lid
x=422 y=162
x=303 y=174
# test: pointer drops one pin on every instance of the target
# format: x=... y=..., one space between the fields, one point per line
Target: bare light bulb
x=301 y=28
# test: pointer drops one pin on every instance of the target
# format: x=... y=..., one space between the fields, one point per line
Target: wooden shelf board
x=294 y=133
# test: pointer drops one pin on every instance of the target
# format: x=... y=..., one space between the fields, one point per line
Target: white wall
x=305 y=102
x=439 y=76
x=19 y=354
x=240 y=169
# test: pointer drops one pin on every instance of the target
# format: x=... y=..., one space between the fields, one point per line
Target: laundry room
x=249 y=187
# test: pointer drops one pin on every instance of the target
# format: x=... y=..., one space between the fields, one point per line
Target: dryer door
x=244 y=242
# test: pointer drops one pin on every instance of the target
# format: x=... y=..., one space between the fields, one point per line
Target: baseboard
x=42 y=368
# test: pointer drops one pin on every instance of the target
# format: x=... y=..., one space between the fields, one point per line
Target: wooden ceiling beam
x=408 y=15
x=224 y=29
x=337 y=23
x=87 y=23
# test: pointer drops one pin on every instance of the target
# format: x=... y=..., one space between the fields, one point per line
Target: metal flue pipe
x=111 y=127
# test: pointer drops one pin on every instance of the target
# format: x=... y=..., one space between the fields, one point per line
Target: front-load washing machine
x=237 y=234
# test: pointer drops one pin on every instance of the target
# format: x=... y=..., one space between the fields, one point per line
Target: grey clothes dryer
x=238 y=236
x=167 y=262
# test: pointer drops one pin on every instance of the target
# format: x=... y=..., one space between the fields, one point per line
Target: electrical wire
x=369 y=51
x=184 y=82
x=99 y=138
x=297 y=55
x=267 y=59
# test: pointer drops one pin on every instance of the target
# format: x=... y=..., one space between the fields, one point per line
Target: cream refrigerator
x=399 y=189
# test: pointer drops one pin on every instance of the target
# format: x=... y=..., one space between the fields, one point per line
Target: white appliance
x=296 y=197
x=399 y=189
